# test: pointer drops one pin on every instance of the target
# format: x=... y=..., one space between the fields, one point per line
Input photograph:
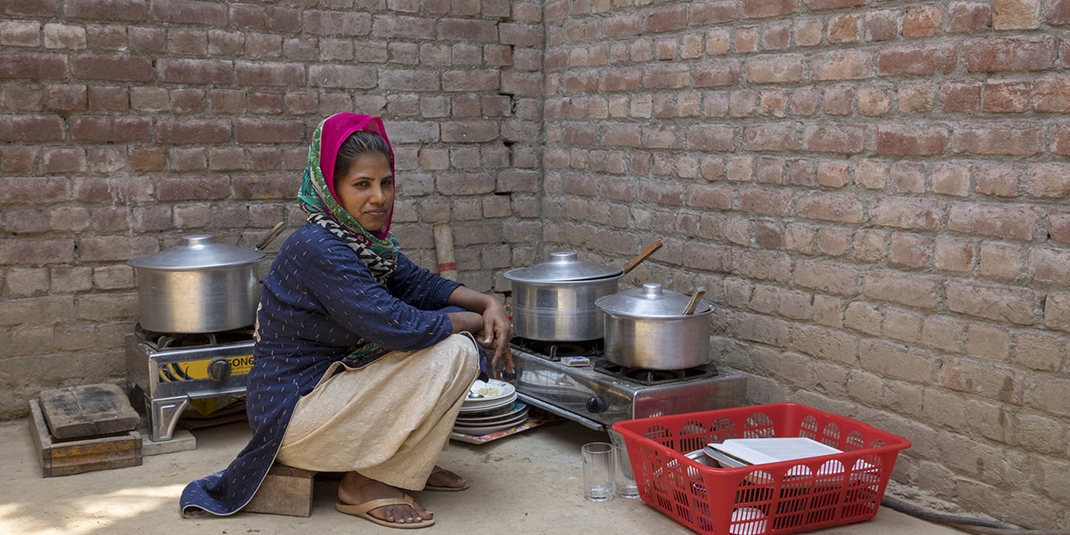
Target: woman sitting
x=362 y=358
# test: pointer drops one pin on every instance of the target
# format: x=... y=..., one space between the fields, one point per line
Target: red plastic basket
x=767 y=499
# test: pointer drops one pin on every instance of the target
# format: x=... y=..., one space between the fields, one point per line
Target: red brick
x=345 y=76
x=107 y=129
x=470 y=80
x=902 y=288
x=107 y=10
x=765 y=201
x=826 y=277
x=965 y=17
x=768 y=8
x=843 y=29
x=998 y=303
x=147 y=160
x=829 y=207
x=109 y=38
x=997 y=179
x=61 y=160
x=905 y=213
x=1058 y=12
x=718 y=73
x=843 y=65
x=709 y=197
x=764 y=265
x=192 y=131
x=263 y=102
x=408 y=80
x=187 y=101
x=192 y=188
x=842 y=139
x=622 y=25
x=261 y=187
x=480 y=31
x=1057 y=316
x=520 y=35
x=770 y=137
x=909 y=251
x=109 y=99
x=1007 y=96
x=912 y=139
x=196 y=71
x=147 y=40
x=1009 y=222
x=36 y=251
x=1010 y=54
x=922 y=21
x=189 y=12
x=666 y=75
x=996 y=137
x=32 y=65
x=917 y=60
x=665 y=19
x=577 y=134
x=839 y=100
x=713 y=11
x=662 y=136
x=908 y=177
x=1061 y=143
x=833 y=4
x=117 y=68
x=1059 y=227
x=1048 y=180
x=961 y=96
x=781 y=68
x=665 y=194
x=31 y=128
x=345 y=23
x=272 y=19
x=1050 y=265
x=17 y=160
x=881 y=26
x=257 y=74
x=620 y=135
x=33 y=8
x=479 y=131
x=117 y=190
x=269 y=131
x=34 y=190
x=1052 y=94
x=67 y=98
x=621 y=79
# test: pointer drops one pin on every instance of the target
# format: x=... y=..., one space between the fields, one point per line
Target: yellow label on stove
x=200 y=369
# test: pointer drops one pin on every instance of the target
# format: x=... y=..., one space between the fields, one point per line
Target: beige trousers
x=389 y=420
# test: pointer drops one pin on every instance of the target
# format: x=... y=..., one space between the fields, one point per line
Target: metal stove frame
x=597 y=399
x=167 y=379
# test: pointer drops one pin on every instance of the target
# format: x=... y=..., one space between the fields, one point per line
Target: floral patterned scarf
x=379 y=250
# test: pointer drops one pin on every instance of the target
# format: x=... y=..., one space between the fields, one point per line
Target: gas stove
x=167 y=371
x=601 y=393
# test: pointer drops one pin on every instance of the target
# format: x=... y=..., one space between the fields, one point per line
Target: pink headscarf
x=335 y=130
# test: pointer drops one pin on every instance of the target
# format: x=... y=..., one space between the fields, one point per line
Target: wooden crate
x=75 y=456
x=285 y=491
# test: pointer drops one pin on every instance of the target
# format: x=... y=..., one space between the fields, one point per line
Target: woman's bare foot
x=442 y=479
x=356 y=489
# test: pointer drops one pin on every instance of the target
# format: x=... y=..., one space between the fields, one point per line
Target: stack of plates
x=491 y=406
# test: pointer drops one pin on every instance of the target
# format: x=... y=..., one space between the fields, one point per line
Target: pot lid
x=562 y=267
x=197 y=252
x=650 y=301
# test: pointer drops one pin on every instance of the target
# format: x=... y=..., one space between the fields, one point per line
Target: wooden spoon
x=647 y=253
x=693 y=304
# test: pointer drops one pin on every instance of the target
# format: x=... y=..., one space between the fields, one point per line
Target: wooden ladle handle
x=693 y=304
x=647 y=253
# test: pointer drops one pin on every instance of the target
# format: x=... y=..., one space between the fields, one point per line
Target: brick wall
x=876 y=195
x=125 y=124
x=873 y=192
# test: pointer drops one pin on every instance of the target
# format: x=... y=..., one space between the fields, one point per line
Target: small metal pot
x=647 y=328
x=199 y=286
x=554 y=301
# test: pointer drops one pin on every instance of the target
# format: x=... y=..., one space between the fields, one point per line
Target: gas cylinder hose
x=964 y=523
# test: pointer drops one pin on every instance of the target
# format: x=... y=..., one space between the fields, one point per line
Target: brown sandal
x=362 y=510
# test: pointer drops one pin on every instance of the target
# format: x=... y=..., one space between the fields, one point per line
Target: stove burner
x=164 y=341
x=555 y=350
x=656 y=377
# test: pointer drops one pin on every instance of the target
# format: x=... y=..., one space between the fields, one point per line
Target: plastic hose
x=964 y=523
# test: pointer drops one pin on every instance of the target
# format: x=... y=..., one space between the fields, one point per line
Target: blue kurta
x=317 y=302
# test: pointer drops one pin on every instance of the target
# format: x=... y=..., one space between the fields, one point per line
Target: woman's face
x=367 y=191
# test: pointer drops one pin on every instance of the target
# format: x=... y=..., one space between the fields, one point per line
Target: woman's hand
x=487 y=321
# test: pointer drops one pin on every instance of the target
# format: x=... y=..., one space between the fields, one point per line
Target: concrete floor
x=529 y=483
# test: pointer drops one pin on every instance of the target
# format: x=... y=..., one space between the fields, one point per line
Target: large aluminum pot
x=198 y=286
x=554 y=301
x=647 y=328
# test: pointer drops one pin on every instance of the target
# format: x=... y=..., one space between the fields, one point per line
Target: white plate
x=482 y=405
x=478 y=431
x=491 y=390
x=492 y=420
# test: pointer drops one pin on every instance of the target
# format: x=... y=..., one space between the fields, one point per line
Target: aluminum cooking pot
x=554 y=301
x=199 y=286
x=647 y=328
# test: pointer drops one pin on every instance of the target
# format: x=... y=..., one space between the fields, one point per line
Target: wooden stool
x=285 y=491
